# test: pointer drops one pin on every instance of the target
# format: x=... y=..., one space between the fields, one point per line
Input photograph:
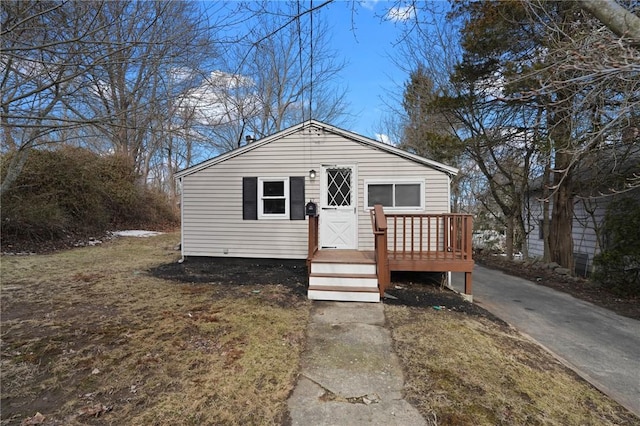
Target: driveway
x=599 y=345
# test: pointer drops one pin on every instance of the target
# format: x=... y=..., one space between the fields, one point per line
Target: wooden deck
x=398 y=261
x=429 y=262
x=412 y=242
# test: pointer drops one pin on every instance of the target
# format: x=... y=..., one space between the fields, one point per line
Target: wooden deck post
x=468 y=250
x=382 y=252
x=468 y=284
x=469 y=237
x=313 y=240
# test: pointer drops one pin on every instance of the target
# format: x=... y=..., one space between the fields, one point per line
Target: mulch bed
x=410 y=289
x=424 y=290
x=414 y=289
x=237 y=272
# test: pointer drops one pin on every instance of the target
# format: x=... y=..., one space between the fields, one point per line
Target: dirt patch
x=580 y=288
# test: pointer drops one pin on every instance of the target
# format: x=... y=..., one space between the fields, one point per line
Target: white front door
x=338 y=212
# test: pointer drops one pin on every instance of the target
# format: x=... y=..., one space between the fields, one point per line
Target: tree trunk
x=13 y=169
x=561 y=241
x=561 y=229
x=521 y=234
x=509 y=237
x=546 y=255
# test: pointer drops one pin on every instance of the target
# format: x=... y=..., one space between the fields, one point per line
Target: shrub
x=618 y=266
x=489 y=240
x=74 y=192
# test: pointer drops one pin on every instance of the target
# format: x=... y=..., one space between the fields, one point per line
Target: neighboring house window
x=395 y=195
x=273 y=198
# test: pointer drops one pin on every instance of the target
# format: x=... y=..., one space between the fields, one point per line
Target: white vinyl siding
x=212 y=196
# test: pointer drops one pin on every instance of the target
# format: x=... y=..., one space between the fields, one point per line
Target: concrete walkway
x=602 y=347
x=350 y=373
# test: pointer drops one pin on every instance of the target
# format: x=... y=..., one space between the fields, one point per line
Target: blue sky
x=370 y=74
x=363 y=33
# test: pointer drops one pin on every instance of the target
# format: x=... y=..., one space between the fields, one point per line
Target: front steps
x=343 y=275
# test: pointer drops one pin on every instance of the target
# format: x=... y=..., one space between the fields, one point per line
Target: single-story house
x=252 y=203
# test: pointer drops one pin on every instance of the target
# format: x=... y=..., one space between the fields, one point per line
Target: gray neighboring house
x=590 y=205
x=250 y=202
x=585 y=226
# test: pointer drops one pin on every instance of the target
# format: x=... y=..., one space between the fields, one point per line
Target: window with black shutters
x=273 y=198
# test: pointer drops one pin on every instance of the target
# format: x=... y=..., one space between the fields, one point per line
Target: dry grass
x=89 y=336
x=462 y=370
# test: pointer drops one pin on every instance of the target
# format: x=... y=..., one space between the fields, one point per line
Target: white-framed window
x=394 y=194
x=273 y=198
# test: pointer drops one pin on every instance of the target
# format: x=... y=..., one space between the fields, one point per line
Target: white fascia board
x=452 y=171
x=238 y=151
x=390 y=148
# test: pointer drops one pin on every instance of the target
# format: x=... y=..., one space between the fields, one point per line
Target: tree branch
x=615 y=17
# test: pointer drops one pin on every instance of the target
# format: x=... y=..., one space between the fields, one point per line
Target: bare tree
x=43 y=51
x=222 y=106
x=108 y=71
x=281 y=73
x=589 y=77
x=577 y=80
x=463 y=120
x=129 y=96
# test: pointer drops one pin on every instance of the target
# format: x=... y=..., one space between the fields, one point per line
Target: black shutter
x=296 y=194
x=250 y=198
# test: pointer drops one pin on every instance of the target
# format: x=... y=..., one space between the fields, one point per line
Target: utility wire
x=311 y=66
x=300 y=59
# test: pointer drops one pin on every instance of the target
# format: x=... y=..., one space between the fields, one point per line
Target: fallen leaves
x=95 y=410
x=36 y=419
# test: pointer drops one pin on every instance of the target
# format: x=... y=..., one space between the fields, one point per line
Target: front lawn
x=89 y=336
x=469 y=369
x=95 y=335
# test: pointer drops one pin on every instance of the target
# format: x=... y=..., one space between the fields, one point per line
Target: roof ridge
x=334 y=129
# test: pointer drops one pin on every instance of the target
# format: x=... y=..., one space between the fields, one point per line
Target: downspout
x=449 y=211
x=181 y=220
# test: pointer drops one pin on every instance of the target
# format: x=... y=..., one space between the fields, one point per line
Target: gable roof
x=328 y=128
x=603 y=172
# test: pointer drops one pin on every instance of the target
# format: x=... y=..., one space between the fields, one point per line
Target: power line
x=298 y=18
x=311 y=64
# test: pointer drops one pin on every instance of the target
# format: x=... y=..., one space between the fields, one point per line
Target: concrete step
x=343 y=294
x=342 y=268
x=344 y=280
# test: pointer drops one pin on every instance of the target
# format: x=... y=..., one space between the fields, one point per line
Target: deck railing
x=422 y=242
x=439 y=236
